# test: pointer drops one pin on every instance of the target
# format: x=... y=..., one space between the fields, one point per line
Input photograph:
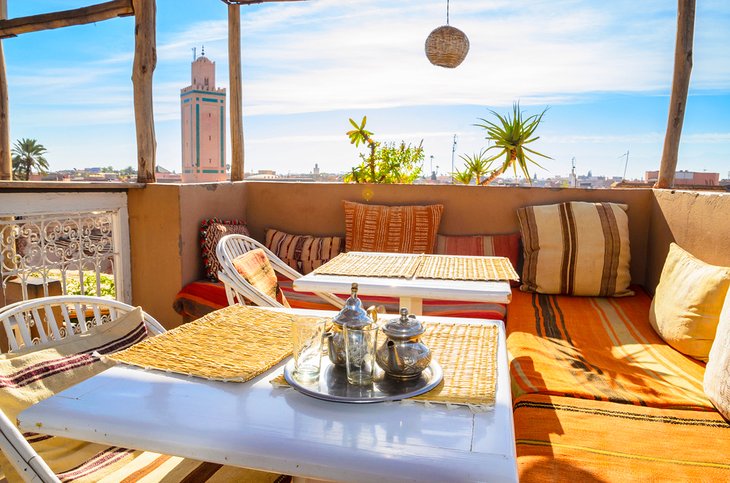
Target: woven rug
x=447 y=267
x=371 y=265
x=467 y=354
x=235 y=344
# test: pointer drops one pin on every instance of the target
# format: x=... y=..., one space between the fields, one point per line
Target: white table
x=411 y=291
x=258 y=426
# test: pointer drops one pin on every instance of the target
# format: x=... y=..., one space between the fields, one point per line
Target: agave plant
x=509 y=135
x=476 y=165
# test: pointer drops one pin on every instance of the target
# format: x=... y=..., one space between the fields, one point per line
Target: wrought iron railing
x=78 y=249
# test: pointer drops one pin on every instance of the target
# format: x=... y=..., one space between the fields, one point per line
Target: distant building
x=203 y=115
x=687 y=178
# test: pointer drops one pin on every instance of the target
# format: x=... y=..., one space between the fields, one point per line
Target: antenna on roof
x=202 y=51
x=194 y=54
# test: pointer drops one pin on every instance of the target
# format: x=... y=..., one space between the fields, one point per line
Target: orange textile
x=598 y=348
x=255 y=267
x=567 y=439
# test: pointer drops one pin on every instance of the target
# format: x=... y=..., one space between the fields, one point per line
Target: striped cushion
x=599 y=348
x=717 y=373
x=562 y=439
x=687 y=303
x=399 y=229
x=576 y=248
x=254 y=266
x=303 y=253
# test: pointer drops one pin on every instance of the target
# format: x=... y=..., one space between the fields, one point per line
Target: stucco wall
x=699 y=222
x=316 y=208
x=164 y=225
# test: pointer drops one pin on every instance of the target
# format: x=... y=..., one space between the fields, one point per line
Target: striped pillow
x=576 y=248
x=717 y=373
x=255 y=267
x=400 y=229
x=303 y=253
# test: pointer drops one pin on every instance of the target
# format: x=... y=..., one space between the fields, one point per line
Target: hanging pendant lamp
x=447 y=46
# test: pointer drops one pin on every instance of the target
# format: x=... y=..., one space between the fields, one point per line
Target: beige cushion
x=400 y=229
x=576 y=248
x=717 y=372
x=303 y=253
x=687 y=304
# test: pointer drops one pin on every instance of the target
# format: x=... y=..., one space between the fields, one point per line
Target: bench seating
x=201 y=297
x=598 y=396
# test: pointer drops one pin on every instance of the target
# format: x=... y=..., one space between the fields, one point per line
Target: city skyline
x=605 y=71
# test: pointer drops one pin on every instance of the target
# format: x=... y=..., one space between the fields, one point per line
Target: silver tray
x=332 y=384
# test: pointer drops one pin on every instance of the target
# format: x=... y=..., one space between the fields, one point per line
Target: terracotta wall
x=316 y=208
x=164 y=223
x=697 y=221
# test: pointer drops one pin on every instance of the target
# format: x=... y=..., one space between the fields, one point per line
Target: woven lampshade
x=447 y=46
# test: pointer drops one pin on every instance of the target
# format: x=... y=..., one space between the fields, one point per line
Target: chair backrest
x=237 y=288
x=29 y=465
x=37 y=322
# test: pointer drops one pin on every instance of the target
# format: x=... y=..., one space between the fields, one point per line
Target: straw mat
x=448 y=267
x=371 y=265
x=235 y=344
x=467 y=354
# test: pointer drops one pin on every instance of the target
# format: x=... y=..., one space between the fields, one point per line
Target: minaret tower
x=203 y=114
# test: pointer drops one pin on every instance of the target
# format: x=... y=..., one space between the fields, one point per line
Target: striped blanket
x=568 y=439
x=597 y=348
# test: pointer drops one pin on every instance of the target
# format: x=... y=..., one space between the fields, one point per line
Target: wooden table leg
x=413 y=304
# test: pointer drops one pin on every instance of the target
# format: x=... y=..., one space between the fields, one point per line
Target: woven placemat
x=371 y=265
x=447 y=267
x=235 y=344
x=467 y=354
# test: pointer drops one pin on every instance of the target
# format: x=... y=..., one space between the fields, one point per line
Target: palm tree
x=28 y=156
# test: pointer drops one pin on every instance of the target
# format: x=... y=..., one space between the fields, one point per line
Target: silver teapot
x=353 y=315
x=402 y=355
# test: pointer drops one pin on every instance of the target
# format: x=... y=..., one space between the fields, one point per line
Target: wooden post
x=6 y=163
x=236 y=96
x=680 y=87
x=145 y=60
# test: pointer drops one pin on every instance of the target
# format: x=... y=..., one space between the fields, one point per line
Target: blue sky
x=603 y=68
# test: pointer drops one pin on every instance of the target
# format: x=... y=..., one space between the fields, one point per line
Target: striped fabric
x=599 y=349
x=399 y=229
x=717 y=374
x=576 y=440
x=687 y=303
x=303 y=253
x=29 y=377
x=576 y=248
x=254 y=266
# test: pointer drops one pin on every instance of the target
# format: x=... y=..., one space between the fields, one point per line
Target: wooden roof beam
x=66 y=18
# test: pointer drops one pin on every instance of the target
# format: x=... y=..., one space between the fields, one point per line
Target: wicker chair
x=18 y=318
x=238 y=289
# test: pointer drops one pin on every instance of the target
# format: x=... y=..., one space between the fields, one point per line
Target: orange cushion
x=399 y=229
x=254 y=266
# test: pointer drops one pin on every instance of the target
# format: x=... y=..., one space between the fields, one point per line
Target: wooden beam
x=145 y=60
x=253 y=2
x=680 y=87
x=236 y=91
x=6 y=163
x=65 y=18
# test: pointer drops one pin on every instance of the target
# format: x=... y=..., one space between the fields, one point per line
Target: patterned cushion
x=717 y=371
x=687 y=303
x=254 y=266
x=576 y=248
x=211 y=231
x=401 y=229
x=303 y=253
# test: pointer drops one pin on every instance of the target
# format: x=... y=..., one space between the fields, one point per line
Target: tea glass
x=307 y=334
x=360 y=344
